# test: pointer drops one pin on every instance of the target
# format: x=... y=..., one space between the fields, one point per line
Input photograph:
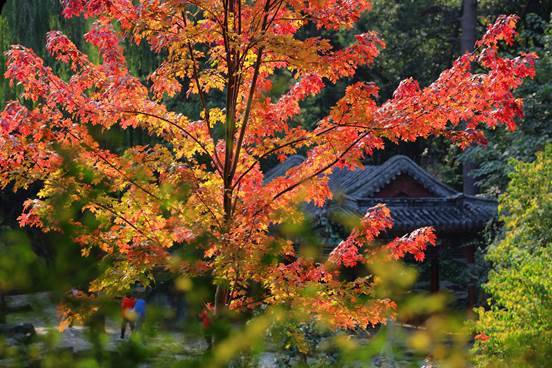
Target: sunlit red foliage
x=148 y=199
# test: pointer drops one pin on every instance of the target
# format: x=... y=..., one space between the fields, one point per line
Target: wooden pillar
x=472 y=290
x=434 y=266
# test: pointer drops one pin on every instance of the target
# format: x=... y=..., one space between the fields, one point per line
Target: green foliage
x=242 y=340
x=520 y=7
x=5 y=42
x=518 y=324
x=420 y=37
x=14 y=245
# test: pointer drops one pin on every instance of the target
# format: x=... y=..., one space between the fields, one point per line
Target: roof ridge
x=370 y=179
x=401 y=164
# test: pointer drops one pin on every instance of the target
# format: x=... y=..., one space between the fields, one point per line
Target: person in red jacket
x=206 y=317
x=127 y=306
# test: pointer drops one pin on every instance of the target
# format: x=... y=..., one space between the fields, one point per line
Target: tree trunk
x=468 y=23
x=467 y=41
x=3 y=308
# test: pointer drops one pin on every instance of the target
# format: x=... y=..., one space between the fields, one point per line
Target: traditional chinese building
x=416 y=199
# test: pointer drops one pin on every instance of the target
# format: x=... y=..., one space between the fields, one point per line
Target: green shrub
x=516 y=330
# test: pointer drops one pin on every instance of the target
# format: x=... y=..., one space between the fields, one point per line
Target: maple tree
x=205 y=176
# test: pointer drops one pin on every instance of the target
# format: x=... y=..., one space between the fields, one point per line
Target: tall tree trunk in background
x=468 y=24
x=3 y=308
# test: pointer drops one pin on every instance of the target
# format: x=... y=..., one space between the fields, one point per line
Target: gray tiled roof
x=454 y=213
x=357 y=190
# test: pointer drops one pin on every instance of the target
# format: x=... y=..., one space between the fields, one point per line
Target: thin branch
x=252 y=88
x=196 y=77
x=320 y=171
x=278 y=7
x=201 y=199
x=141 y=232
x=275 y=149
x=203 y=147
x=105 y=160
x=247 y=112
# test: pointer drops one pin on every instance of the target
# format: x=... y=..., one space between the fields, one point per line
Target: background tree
x=198 y=187
x=515 y=330
x=467 y=43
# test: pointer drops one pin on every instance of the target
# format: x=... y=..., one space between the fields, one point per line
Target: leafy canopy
x=201 y=189
x=516 y=328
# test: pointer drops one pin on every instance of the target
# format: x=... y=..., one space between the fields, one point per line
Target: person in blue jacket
x=140 y=310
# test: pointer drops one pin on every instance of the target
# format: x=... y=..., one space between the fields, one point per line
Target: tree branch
x=203 y=147
x=320 y=171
